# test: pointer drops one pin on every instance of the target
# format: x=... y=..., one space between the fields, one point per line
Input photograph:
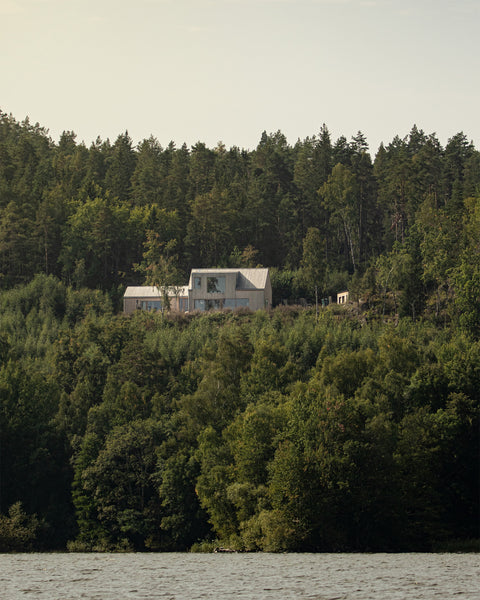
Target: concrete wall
x=232 y=297
x=130 y=305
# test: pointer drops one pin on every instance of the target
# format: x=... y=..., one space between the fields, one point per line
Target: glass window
x=199 y=305
x=212 y=304
x=235 y=302
x=197 y=283
x=152 y=305
x=216 y=285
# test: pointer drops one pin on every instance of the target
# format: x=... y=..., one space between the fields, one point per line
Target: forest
x=342 y=428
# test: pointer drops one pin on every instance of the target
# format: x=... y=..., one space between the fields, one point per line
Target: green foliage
x=268 y=431
x=83 y=214
x=353 y=429
x=121 y=485
x=312 y=272
x=339 y=196
x=18 y=531
x=159 y=266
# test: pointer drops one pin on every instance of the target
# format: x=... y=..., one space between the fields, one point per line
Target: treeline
x=256 y=431
x=321 y=212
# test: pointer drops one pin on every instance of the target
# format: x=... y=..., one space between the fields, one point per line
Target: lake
x=252 y=576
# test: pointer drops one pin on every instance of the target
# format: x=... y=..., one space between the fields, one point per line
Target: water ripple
x=176 y=576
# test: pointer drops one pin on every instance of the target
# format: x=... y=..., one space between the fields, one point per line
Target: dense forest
x=348 y=428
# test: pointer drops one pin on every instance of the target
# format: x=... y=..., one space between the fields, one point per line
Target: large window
x=151 y=305
x=207 y=304
x=197 y=283
x=235 y=302
x=213 y=304
x=216 y=285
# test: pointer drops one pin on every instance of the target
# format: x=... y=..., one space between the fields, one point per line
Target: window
x=216 y=285
x=207 y=304
x=197 y=283
x=183 y=304
x=152 y=305
x=199 y=305
x=213 y=304
x=235 y=302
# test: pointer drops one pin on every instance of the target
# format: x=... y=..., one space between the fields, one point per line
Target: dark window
x=213 y=304
x=152 y=305
x=216 y=285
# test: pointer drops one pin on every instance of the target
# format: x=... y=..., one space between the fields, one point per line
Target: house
x=147 y=297
x=208 y=289
x=342 y=297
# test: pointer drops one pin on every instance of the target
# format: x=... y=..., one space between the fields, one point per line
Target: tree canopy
x=352 y=429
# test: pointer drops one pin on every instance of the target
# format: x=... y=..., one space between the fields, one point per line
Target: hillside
x=278 y=430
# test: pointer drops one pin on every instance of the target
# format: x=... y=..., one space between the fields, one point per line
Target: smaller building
x=147 y=297
x=342 y=297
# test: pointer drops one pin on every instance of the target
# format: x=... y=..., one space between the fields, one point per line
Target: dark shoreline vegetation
x=356 y=429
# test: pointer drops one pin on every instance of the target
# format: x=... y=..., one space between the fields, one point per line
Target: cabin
x=147 y=297
x=207 y=289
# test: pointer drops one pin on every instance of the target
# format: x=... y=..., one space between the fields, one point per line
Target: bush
x=18 y=531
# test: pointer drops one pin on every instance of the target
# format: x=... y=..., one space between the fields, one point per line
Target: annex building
x=207 y=289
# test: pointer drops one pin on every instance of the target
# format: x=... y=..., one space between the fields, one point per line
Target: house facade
x=208 y=289
x=147 y=297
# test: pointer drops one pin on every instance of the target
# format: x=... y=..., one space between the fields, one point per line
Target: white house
x=208 y=289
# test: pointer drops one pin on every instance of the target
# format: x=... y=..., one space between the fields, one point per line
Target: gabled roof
x=247 y=279
x=252 y=278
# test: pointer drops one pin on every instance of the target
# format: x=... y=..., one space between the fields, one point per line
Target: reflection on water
x=253 y=576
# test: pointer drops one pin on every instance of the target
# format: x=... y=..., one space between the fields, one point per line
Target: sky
x=227 y=70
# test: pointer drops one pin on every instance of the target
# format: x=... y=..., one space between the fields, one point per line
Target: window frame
x=216 y=284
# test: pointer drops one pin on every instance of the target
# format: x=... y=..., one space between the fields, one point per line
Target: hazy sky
x=211 y=70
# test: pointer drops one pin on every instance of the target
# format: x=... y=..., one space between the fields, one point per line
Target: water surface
x=252 y=576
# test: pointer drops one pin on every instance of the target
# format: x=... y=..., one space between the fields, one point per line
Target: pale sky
x=226 y=70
